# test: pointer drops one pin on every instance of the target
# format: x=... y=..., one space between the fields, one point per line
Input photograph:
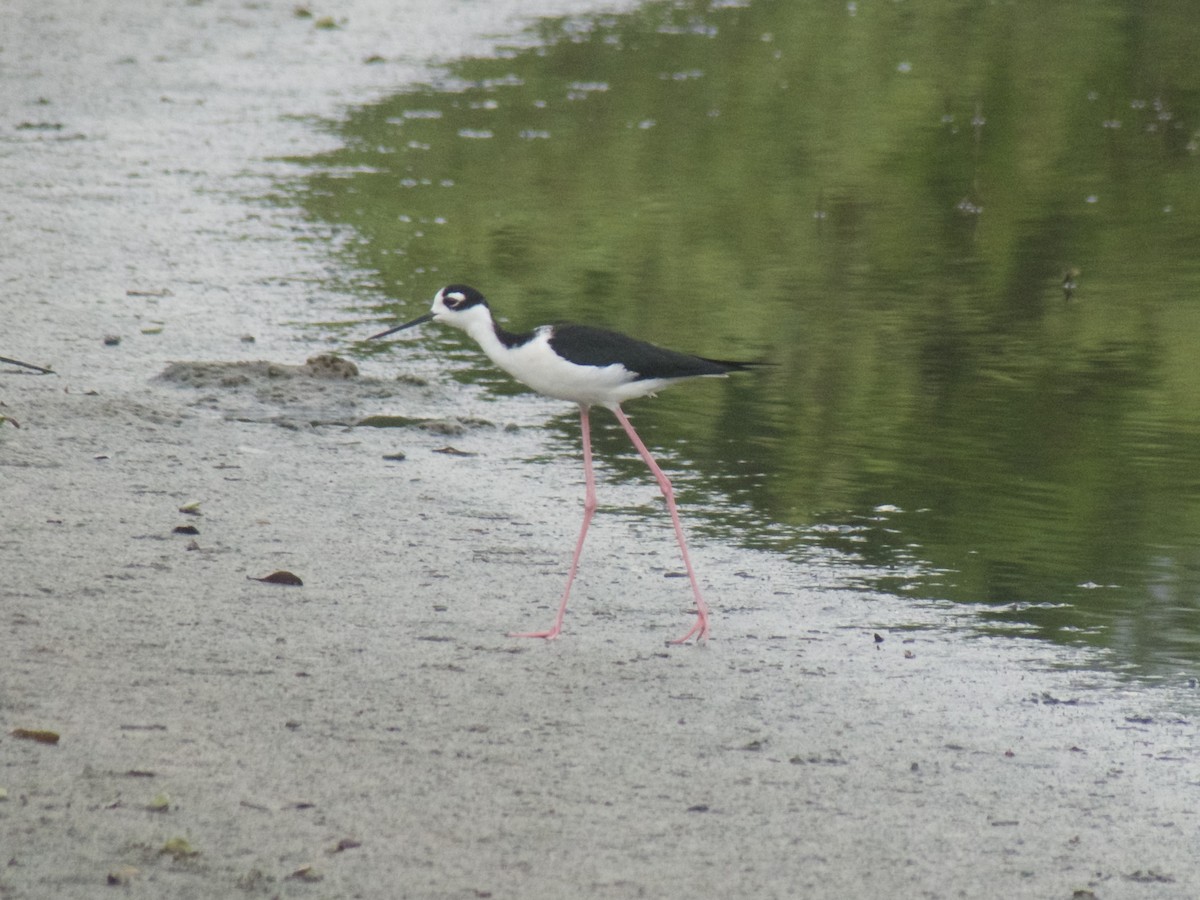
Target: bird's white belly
x=536 y=365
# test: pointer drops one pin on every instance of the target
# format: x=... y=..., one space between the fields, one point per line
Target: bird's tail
x=736 y=365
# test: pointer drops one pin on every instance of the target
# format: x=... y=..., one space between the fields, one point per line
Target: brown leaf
x=280 y=577
x=35 y=734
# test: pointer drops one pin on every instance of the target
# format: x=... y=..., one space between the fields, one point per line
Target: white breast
x=536 y=365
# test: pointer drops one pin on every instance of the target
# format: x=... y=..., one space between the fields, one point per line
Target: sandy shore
x=373 y=733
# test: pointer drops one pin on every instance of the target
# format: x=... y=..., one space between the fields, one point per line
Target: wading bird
x=591 y=367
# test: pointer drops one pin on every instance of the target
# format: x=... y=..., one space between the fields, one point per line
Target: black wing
x=588 y=346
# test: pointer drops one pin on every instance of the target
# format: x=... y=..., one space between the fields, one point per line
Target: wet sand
x=373 y=733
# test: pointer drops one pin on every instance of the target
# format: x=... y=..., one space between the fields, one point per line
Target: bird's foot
x=699 y=629
x=550 y=634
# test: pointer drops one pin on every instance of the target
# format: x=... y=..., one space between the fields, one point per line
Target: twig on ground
x=41 y=370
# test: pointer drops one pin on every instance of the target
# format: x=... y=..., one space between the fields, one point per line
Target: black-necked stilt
x=591 y=367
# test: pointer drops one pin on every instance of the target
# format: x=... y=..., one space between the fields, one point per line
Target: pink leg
x=589 y=509
x=700 y=627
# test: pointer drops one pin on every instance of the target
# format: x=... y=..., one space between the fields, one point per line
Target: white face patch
x=454 y=299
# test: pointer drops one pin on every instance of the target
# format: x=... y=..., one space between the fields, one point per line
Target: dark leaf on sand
x=280 y=577
x=35 y=734
x=122 y=876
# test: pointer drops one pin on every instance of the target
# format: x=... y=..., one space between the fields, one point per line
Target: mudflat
x=172 y=725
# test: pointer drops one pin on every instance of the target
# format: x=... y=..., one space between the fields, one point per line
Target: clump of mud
x=325 y=390
x=256 y=372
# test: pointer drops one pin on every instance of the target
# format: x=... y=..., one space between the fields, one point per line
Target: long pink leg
x=700 y=626
x=589 y=509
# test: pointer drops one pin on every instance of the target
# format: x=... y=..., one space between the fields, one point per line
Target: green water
x=883 y=199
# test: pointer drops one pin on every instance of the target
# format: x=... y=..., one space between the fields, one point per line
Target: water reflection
x=885 y=200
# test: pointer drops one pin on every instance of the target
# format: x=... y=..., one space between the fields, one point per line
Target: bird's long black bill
x=412 y=324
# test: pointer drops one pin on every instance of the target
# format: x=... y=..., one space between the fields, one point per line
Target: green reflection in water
x=883 y=199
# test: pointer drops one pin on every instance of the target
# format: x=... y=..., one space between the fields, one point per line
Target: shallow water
x=966 y=236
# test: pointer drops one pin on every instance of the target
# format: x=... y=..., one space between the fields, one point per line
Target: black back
x=590 y=346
